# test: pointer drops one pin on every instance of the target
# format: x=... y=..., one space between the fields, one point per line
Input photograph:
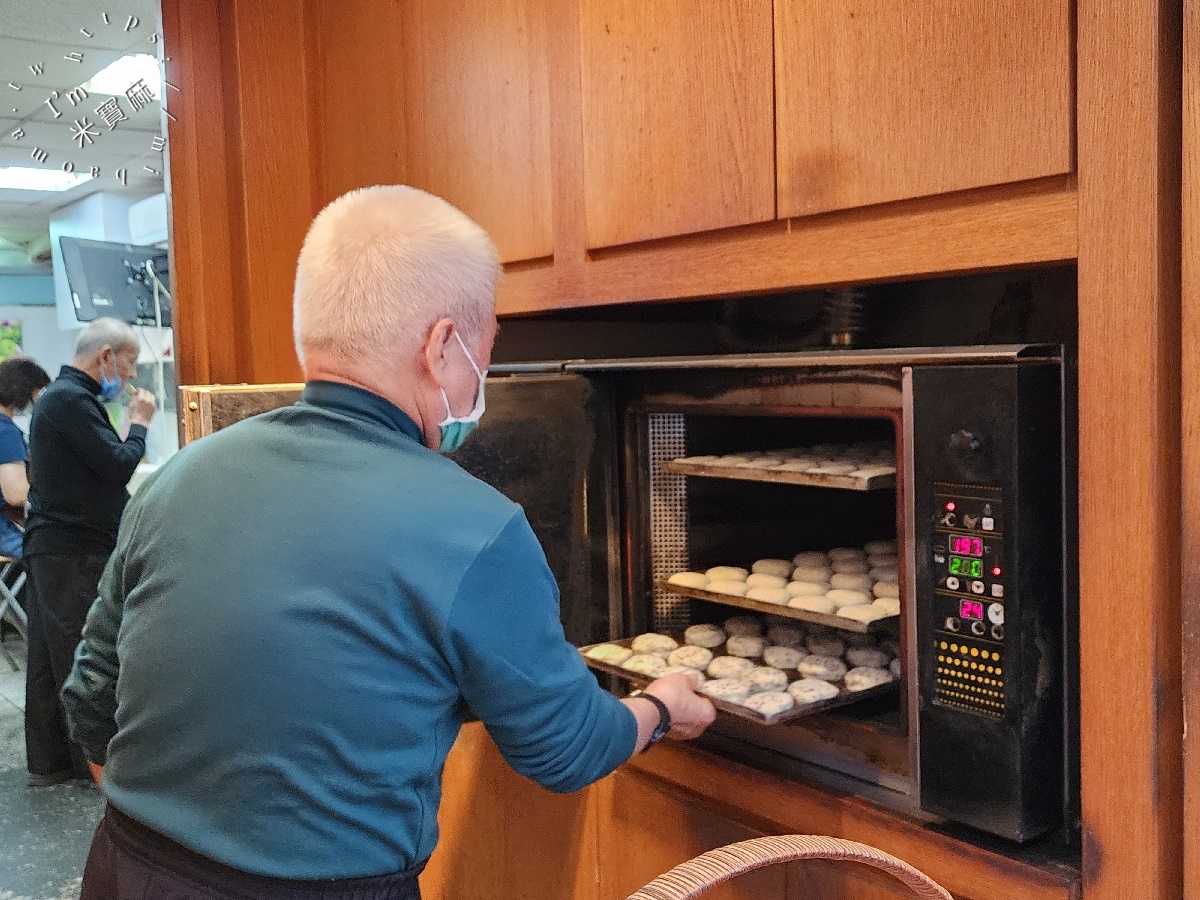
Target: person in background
x=79 y=469
x=21 y=381
x=278 y=717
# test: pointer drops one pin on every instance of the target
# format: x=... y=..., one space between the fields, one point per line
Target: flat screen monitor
x=109 y=279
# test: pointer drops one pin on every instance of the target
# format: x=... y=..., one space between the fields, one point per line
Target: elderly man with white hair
x=302 y=607
x=79 y=470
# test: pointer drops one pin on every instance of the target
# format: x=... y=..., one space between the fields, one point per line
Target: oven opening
x=736 y=487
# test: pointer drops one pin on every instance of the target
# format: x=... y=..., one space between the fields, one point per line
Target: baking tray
x=774 y=609
x=736 y=709
x=780 y=476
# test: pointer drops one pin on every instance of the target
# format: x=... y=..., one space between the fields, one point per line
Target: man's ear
x=436 y=344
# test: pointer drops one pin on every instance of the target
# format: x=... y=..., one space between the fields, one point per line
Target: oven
x=955 y=465
x=952 y=463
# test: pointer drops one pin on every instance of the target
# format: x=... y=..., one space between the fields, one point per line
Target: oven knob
x=998 y=632
x=952 y=624
x=996 y=613
x=964 y=442
x=977 y=628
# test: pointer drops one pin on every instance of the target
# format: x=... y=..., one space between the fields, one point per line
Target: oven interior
x=695 y=523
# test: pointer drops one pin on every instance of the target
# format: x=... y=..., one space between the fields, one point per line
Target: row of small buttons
x=966 y=701
x=972 y=651
x=977 y=587
x=970 y=688
x=970 y=664
x=970 y=707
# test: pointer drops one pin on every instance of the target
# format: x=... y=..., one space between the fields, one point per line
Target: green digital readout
x=969 y=568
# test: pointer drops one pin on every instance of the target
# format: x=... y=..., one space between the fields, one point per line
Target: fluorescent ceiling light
x=21 y=178
x=116 y=78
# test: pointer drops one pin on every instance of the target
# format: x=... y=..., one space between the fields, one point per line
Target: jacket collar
x=360 y=404
x=81 y=378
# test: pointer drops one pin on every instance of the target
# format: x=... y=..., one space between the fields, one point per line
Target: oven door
x=547 y=443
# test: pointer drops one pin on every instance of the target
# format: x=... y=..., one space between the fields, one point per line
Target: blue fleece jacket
x=298 y=613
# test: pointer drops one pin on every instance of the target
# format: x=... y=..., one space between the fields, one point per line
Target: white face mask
x=456 y=429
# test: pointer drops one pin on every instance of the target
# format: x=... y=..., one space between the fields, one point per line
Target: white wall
x=41 y=338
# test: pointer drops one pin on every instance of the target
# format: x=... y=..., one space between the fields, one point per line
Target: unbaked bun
x=726 y=573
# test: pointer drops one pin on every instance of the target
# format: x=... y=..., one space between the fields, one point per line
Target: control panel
x=988 y=526
x=969 y=568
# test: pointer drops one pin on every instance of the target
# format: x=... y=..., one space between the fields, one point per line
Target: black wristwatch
x=664 y=719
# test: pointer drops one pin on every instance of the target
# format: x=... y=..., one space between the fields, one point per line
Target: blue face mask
x=110 y=388
x=456 y=429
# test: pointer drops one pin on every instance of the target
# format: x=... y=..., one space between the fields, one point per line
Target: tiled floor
x=44 y=832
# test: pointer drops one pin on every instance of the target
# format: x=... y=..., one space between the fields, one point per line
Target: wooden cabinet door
x=476 y=114
x=645 y=829
x=677 y=117
x=502 y=836
x=880 y=101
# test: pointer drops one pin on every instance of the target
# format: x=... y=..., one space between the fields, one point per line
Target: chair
x=694 y=877
x=10 y=609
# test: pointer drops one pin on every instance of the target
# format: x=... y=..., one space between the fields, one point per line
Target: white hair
x=380 y=265
x=105 y=332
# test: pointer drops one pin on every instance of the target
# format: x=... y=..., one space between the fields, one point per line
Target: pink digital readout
x=970 y=609
x=965 y=545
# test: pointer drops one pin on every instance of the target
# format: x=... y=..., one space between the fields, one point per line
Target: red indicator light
x=951 y=506
x=996 y=571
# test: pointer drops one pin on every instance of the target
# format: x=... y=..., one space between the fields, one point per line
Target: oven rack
x=843 y=698
x=780 y=476
x=773 y=609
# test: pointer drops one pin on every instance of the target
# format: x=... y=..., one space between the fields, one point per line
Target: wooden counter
x=504 y=837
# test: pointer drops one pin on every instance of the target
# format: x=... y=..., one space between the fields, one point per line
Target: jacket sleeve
x=544 y=709
x=88 y=432
x=90 y=693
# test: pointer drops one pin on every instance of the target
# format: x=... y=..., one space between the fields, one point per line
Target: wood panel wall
x=1190 y=554
x=1129 y=472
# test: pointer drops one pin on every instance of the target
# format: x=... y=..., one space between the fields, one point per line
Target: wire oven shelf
x=781 y=476
x=843 y=698
x=772 y=609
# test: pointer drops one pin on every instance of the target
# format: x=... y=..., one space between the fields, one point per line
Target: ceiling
x=43 y=33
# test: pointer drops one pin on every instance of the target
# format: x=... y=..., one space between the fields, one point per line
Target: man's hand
x=141 y=407
x=691 y=713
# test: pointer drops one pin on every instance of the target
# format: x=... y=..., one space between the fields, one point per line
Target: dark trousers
x=129 y=861
x=58 y=594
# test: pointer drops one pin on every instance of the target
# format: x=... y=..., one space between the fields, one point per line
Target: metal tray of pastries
x=810 y=682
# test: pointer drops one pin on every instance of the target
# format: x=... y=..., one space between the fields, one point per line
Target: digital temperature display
x=964 y=545
x=968 y=568
x=970 y=609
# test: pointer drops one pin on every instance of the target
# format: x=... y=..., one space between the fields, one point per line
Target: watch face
x=105 y=97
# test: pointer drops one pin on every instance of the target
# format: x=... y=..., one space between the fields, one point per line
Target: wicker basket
x=694 y=877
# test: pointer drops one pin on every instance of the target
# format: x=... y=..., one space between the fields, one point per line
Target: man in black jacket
x=79 y=469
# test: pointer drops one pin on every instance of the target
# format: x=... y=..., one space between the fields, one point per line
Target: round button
x=996 y=613
x=952 y=624
x=977 y=628
x=998 y=632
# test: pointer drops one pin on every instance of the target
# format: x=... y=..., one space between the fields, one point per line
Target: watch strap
x=664 y=719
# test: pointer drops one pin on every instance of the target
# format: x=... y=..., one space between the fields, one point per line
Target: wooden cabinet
x=451 y=98
x=677 y=117
x=503 y=836
x=879 y=101
x=476 y=115
x=647 y=830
